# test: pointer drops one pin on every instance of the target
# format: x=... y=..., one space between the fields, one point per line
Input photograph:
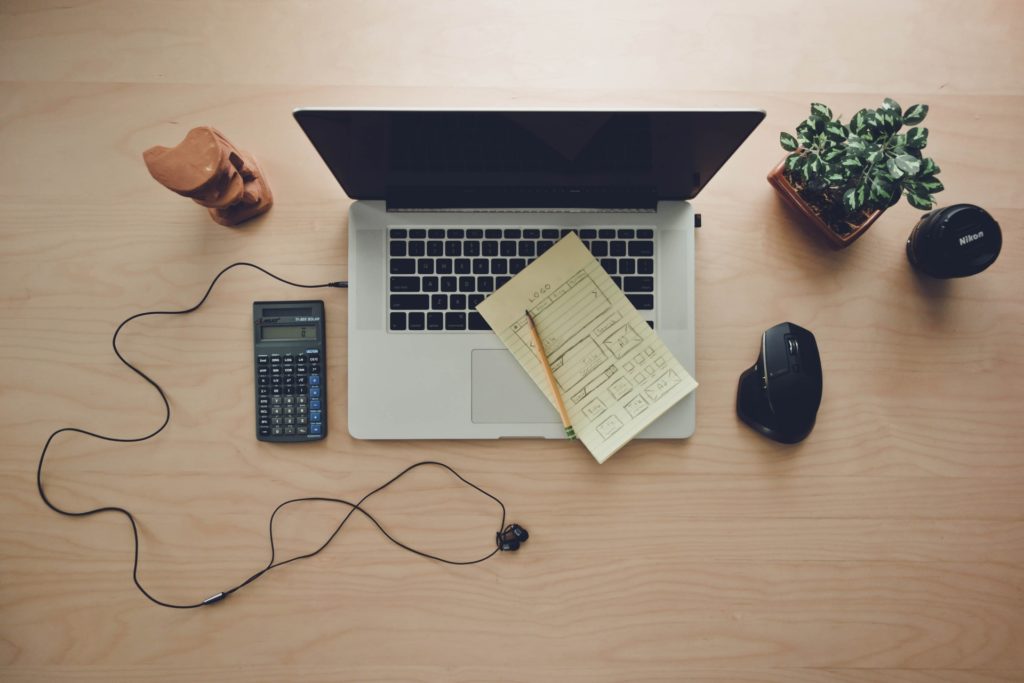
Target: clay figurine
x=212 y=172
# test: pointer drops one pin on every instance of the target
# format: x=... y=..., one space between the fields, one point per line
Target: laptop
x=451 y=204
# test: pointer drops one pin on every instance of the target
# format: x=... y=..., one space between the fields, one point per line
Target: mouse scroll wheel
x=792 y=346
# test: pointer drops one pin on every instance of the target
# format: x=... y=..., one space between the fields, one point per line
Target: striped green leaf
x=917 y=138
x=853 y=199
x=880 y=190
x=852 y=163
x=929 y=167
x=788 y=142
x=908 y=164
x=894 y=170
x=930 y=184
x=918 y=201
x=836 y=130
x=818 y=109
x=915 y=114
x=892 y=105
x=859 y=122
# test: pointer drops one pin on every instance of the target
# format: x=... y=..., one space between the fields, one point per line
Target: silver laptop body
x=421 y=363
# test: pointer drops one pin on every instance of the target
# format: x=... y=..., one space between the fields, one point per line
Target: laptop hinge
x=522 y=199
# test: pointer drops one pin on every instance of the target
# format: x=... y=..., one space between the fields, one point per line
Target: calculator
x=290 y=364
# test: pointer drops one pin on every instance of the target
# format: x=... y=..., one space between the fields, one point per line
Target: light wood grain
x=887 y=547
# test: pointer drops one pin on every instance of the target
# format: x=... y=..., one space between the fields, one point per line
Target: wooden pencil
x=543 y=356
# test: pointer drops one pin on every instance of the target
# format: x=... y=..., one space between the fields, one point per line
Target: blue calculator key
x=315 y=428
x=314 y=416
x=314 y=380
x=314 y=392
x=314 y=404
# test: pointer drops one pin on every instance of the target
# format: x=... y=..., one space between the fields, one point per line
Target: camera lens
x=957 y=241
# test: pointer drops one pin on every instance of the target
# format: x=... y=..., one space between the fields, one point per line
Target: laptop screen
x=510 y=159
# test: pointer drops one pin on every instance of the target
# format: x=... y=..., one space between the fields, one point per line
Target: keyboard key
x=644 y=248
x=481 y=266
x=475 y=299
x=643 y=283
x=457 y=301
x=405 y=284
x=398 y=233
x=513 y=233
x=485 y=284
x=626 y=233
x=463 y=266
x=617 y=280
x=475 y=234
x=435 y=321
x=531 y=234
x=417 y=234
x=436 y=249
x=499 y=281
x=645 y=234
x=410 y=302
x=492 y=234
x=453 y=248
x=527 y=249
x=449 y=284
x=499 y=266
x=455 y=233
x=599 y=249
x=606 y=234
x=443 y=266
x=471 y=249
x=467 y=283
x=425 y=266
x=618 y=248
x=588 y=234
x=508 y=248
x=609 y=264
x=417 y=248
x=455 y=321
x=489 y=248
x=398 y=248
x=431 y=284
x=627 y=266
x=435 y=234
x=549 y=234
x=439 y=302
x=515 y=265
x=416 y=322
x=642 y=302
x=645 y=266
x=403 y=266
x=542 y=247
x=477 y=322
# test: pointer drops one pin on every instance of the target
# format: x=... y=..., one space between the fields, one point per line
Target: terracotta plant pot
x=778 y=180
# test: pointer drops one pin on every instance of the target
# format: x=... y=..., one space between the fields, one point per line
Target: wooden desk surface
x=887 y=547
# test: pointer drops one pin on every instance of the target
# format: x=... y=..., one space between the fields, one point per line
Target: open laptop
x=452 y=204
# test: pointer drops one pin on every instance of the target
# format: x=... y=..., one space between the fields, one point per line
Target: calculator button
x=264 y=391
x=289 y=359
x=289 y=400
x=289 y=370
x=300 y=429
x=275 y=410
x=289 y=410
x=264 y=431
x=276 y=391
x=275 y=371
x=301 y=420
x=315 y=428
x=314 y=404
x=263 y=359
x=277 y=431
x=314 y=415
x=314 y=380
x=314 y=392
x=300 y=399
x=300 y=369
x=264 y=422
x=275 y=358
x=262 y=372
x=300 y=381
x=263 y=381
x=289 y=431
x=275 y=381
x=276 y=421
x=289 y=420
x=276 y=400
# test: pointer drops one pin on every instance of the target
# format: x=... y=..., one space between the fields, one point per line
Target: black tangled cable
x=507 y=539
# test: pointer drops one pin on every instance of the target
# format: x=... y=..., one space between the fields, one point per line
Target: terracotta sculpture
x=211 y=171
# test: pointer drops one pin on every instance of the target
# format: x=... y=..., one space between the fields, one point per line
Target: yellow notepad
x=615 y=374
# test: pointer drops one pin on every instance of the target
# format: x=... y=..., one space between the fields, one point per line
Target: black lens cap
x=957 y=241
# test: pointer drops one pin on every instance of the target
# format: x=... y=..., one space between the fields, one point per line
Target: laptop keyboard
x=437 y=276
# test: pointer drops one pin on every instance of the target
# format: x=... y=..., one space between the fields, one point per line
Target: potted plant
x=843 y=176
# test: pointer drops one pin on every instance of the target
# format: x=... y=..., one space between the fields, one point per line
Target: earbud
x=511 y=537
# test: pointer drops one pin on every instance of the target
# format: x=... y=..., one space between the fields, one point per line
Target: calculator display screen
x=287 y=332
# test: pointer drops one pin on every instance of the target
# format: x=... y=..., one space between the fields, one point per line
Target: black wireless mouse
x=780 y=395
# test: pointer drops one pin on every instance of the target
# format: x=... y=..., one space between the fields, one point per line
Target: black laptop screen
x=493 y=159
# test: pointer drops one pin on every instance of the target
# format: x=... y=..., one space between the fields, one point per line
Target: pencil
x=543 y=356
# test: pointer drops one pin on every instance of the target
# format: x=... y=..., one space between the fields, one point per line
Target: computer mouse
x=780 y=395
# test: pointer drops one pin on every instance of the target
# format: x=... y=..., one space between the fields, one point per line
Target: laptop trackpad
x=504 y=393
